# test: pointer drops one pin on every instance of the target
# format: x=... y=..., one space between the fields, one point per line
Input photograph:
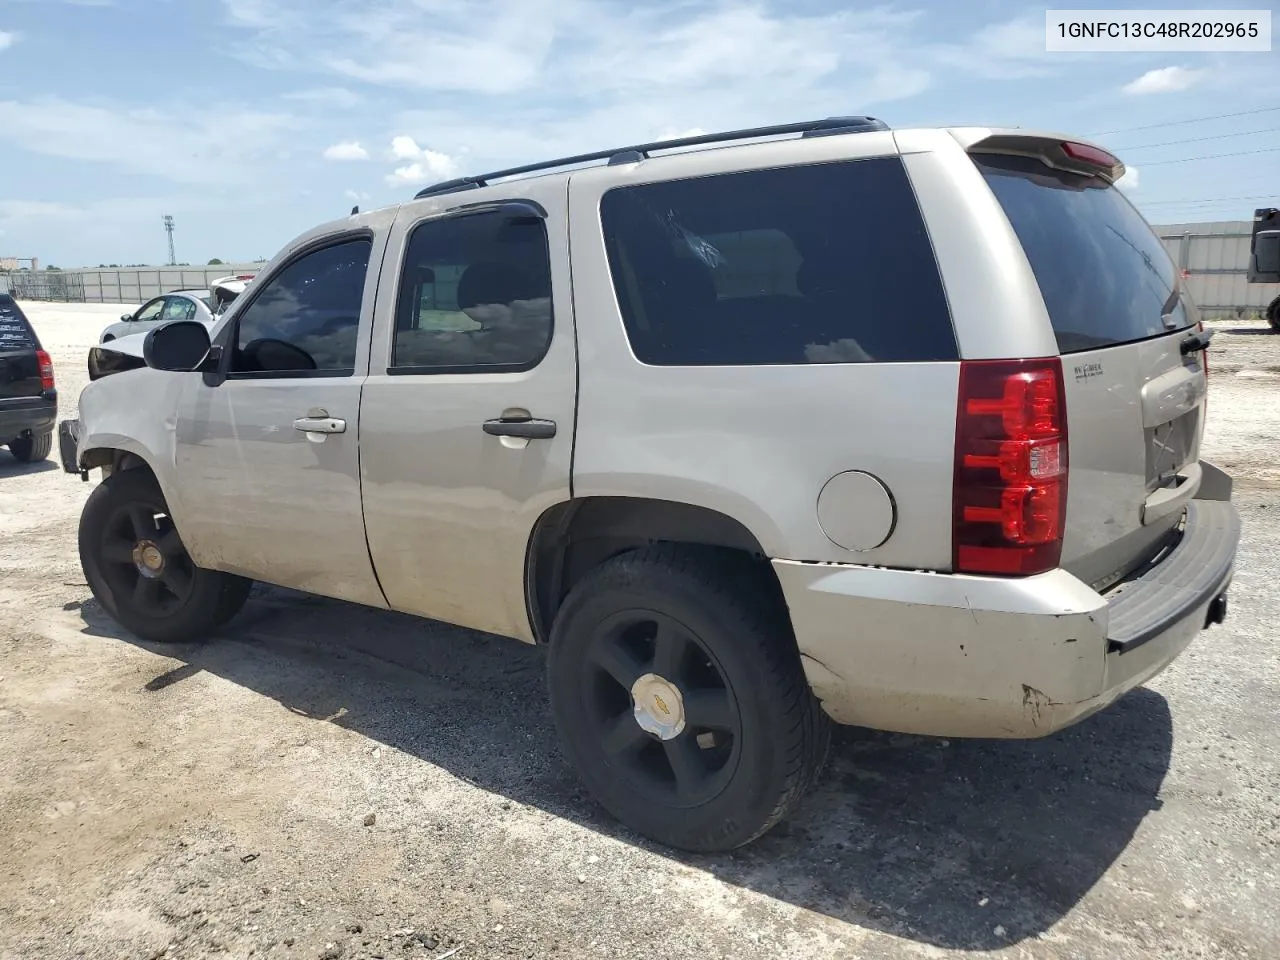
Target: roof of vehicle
x=907 y=140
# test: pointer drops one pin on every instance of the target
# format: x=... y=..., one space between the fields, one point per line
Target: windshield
x=1104 y=275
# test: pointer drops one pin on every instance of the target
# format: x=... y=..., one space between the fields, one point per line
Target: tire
x=33 y=448
x=754 y=738
x=125 y=530
x=1273 y=314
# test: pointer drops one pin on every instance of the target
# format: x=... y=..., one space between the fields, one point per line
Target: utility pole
x=168 y=227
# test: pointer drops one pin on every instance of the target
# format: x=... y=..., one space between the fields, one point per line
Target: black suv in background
x=28 y=400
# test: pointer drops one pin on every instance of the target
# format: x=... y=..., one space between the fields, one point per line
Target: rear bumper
x=951 y=655
x=27 y=415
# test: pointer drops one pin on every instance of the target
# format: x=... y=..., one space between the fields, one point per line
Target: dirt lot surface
x=325 y=781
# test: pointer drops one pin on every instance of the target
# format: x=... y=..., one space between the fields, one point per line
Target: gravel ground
x=326 y=781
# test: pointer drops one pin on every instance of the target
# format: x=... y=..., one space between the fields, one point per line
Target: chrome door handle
x=320 y=425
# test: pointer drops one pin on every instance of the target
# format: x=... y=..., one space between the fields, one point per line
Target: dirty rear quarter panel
x=757 y=443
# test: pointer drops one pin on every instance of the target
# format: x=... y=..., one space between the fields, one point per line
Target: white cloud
x=355 y=196
x=326 y=96
x=546 y=52
x=405 y=148
x=433 y=166
x=427 y=165
x=176 y=143
x=253 y=13
x=7 y=39
x=536 y=78
x=1164 y=80
x=347 y=150
x=1007 y=50
x=1130 y=180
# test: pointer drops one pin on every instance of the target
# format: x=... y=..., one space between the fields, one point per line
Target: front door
x=467 y=421
x=267 y=451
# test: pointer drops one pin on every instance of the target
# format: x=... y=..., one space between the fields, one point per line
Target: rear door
x=467 y=417
x=19 y=365
x=1134 y=372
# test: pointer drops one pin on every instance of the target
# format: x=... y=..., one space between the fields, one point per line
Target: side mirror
x=1264 y=262
x=181 y=346
x=126 y=317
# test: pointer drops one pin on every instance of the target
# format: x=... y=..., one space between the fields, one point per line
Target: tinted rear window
x=1104 y=275
x=15 y=332
x=816 y=264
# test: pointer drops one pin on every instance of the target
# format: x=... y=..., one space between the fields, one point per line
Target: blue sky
x=252 y=120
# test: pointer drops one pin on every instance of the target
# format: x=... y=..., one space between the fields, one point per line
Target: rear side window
x=15 y=332
x=817 y=264
x=1105 y=277
x=475 y=296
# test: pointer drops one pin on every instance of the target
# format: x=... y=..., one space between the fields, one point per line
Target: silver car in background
x=178 y=305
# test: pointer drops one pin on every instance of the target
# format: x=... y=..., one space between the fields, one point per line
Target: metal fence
x=44 y=285
x=1214 y=259
x=131 y=285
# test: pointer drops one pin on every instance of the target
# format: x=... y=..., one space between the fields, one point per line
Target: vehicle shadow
x=959 y=844
x=1262 y=331
x=10 y=467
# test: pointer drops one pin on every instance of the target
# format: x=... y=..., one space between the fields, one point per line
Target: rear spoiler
x=1073 y=156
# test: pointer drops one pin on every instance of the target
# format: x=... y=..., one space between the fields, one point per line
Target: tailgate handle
x=1197 y=342
x=1167 y=500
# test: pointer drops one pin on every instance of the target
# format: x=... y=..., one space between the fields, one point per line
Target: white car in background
x=225 y=290
x=178 y=305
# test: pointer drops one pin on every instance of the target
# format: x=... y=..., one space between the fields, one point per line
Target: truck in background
x=1264 y=257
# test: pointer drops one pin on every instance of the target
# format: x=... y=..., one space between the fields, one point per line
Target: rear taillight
x=46 y=369
x=1010 y=489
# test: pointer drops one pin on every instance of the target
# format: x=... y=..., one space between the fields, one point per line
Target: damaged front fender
x=133 y=416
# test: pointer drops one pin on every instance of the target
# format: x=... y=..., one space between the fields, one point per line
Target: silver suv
x=818 y=422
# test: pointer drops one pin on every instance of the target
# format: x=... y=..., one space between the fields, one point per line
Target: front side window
x=306 y=318
x=475 y=296
x=826 y=263
x=151 y=311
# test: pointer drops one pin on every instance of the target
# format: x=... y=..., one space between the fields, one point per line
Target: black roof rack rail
x=633 y=154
